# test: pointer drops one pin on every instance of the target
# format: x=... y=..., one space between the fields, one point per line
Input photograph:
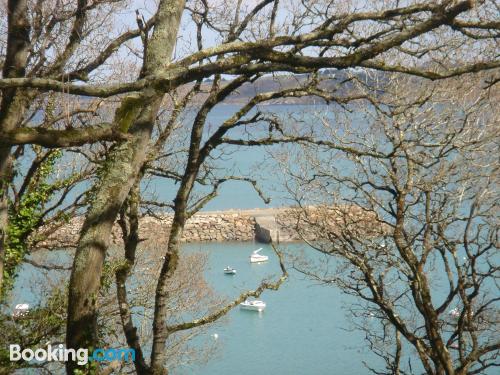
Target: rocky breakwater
x=264 y=225
x=216 y=226
x=220 y=226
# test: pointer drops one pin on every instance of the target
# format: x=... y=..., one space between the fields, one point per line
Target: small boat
x=455 y=313
x=258 y=258
x=229 y=271
x=20 y=310
x=253 y=305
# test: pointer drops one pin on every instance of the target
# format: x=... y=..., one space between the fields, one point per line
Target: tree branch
x=265 y=285
x=51 y=138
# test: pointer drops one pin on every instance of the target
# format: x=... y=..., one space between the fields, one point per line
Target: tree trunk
x=160 y=332
x=13 y=105
x=122 y=168
x=120 y=172
x=129 y=222
x=4 y=217
x=196 y=158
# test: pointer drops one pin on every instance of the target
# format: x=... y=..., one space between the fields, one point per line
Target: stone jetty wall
x=263 y=225
x=217 y=226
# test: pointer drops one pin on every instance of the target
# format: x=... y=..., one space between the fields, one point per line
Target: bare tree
x=415 y=38
x=51 y=39
x=423 y=166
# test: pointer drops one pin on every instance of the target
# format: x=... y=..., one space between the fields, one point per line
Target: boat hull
x=253 y=307
x=259 y=259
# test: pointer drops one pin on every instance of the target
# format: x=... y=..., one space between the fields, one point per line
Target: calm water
x=254 y=162
x=301 y=331
x=304 y=329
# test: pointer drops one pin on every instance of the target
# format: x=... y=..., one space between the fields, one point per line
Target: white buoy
x=215 y=336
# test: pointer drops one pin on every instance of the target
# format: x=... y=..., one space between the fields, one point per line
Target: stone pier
x=262 y=225
x=266 y=229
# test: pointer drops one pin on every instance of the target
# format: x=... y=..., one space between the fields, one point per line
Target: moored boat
x=229 y=271
x=258 y=258
x=253 y=305
x=20 y=310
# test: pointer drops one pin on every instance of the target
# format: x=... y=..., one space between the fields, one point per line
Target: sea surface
x=255 y=162
x=303 y=330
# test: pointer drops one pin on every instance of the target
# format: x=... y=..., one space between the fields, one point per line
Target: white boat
x=21 y=309
x=229 y=271
x=455 y=313
x=258 y=258
x=253 y=305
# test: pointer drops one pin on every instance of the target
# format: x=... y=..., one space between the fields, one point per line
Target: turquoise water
x=303 y=329
x=254 y=162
